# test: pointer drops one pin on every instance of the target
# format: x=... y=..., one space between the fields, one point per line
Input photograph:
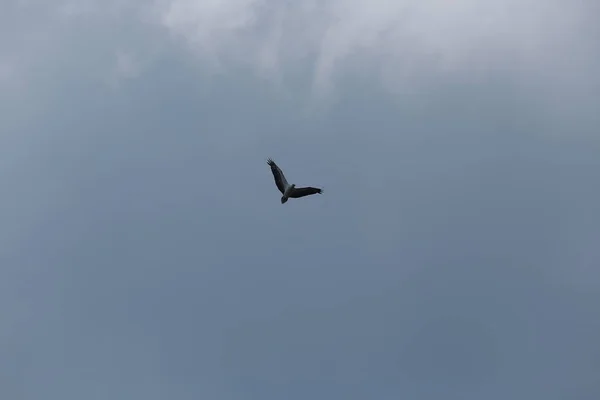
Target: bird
x=289 y=191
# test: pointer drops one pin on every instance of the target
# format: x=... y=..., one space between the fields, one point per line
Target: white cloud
x=401 y=42
x=404 y=37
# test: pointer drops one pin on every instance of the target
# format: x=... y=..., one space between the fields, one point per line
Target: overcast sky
x=144 y=251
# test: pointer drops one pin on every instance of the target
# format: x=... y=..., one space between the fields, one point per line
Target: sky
x=144 y=251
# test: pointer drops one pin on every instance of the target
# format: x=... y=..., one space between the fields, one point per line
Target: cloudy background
x=144 y=253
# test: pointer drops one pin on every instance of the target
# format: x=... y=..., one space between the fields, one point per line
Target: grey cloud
x=145 y=254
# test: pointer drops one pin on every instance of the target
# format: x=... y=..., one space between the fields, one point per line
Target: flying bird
x=289 y=191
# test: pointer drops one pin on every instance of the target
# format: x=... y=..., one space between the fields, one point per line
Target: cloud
x=144 y=250
x=401 y=39
x=404 y=44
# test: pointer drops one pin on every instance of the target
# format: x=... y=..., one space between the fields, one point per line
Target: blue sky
x=144 y=250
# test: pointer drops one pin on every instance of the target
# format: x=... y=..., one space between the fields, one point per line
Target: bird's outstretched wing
x=304 y=191
x=280 y=180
